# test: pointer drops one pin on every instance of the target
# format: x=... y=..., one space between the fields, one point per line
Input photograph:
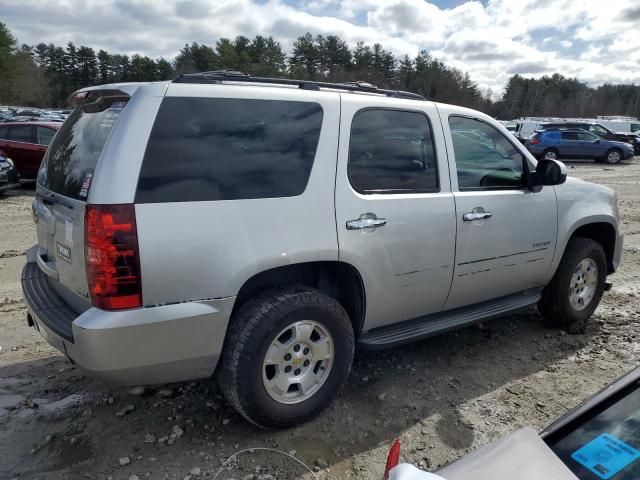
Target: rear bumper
x=142 y=346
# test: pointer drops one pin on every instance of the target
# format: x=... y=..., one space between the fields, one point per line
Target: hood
x=618 y=144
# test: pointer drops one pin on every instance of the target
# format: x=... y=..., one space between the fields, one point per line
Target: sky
x=593 y=40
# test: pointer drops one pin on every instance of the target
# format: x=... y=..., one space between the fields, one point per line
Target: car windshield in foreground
x=608 y=444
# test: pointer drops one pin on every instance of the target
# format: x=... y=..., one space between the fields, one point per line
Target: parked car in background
x=599 y=439
x=555 y=143
x=597 y=129
x=9 y=177
x=620 y=124
x=26 y=143
x=524 y=129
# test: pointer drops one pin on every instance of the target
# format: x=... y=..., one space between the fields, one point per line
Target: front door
x=394 y=207
x=506 y=234
x=591 y=145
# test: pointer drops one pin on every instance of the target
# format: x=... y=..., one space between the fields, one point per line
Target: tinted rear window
x=75 y=150
x=229 y=149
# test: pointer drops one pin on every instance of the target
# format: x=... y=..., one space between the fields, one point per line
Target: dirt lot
x=443 y=397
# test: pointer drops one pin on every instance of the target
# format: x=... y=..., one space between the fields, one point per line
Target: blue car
x=577 y=143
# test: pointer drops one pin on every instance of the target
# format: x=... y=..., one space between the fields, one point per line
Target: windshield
x=69 y=164
x=599 y=130
x=608 y=444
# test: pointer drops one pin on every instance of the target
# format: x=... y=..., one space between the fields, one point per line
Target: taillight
x=392 y=459
x=111 y=256
x=534 y=141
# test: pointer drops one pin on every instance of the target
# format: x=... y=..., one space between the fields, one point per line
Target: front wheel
x=288 y=352
x=576 y=289
x=613 y=156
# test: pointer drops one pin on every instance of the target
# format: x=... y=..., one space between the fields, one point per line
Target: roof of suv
x=218 y=76
x=233 y=77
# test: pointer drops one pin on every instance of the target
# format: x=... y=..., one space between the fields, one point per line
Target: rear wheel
x=288 y=352
x=550 y=154
x=576 y=289
x=613 y=156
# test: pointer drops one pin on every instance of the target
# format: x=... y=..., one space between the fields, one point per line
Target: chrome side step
x=423 y=327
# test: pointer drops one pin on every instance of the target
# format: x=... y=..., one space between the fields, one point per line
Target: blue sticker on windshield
x=605 y=455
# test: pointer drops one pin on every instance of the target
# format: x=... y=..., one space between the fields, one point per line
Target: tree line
x=45 y=74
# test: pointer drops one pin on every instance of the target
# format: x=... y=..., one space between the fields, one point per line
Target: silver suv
x=263 y=228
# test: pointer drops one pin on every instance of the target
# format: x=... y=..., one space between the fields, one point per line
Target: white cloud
x=491 y=41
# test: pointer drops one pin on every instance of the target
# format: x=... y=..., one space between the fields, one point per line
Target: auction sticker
x=605 y=455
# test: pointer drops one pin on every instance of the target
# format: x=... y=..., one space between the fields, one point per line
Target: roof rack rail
x=217 y=76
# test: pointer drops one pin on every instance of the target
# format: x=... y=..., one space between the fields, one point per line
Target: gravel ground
x=443 y=397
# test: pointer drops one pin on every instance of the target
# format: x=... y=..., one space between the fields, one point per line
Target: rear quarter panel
x=209 y=249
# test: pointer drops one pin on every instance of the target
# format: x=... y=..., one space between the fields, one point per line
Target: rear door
x=62 y=189
x=394 y=208
x=19 y=146
x=571 y=145
x=506 y=233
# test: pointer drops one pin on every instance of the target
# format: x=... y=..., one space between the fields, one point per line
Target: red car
x=25 y=143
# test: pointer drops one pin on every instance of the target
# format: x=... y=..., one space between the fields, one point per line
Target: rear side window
x=391 y=151
x=570 y=136
x=229 y=149
x=72 y=157
x=22 y=133
x=44 y=135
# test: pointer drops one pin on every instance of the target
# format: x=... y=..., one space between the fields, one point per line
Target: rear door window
x=391 y=151
x=72 y=157
x=229 y=149
x=44 y=135
x=21 y=133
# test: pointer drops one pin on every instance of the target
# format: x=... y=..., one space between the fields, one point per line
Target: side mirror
x=550 y=172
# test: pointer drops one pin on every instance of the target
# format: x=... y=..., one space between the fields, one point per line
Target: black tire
x=252 y=329
x=555 y=305
x=612 y=159
x=550 y=150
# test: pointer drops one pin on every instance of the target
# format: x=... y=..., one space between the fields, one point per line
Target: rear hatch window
x=64 y=180
x=69 y=164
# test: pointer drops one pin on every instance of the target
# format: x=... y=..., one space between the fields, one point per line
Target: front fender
x=580 y=204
